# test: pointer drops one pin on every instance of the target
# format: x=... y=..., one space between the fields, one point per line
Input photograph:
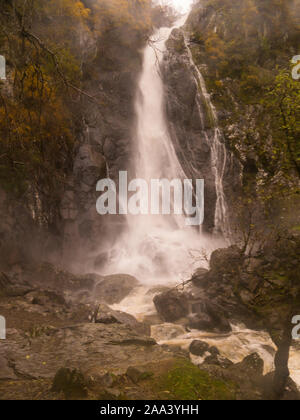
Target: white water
x=234 y=346
x=156 y=248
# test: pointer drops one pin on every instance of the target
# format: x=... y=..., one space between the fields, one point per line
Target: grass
x=185 y=381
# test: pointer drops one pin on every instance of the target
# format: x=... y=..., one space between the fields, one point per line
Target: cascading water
x=218 y=153
x=158 y=248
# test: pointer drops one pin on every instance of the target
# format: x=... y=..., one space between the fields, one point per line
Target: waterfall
x=158 y=248
x=219 y=153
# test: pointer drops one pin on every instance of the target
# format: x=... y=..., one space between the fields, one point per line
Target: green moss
x=185 y=381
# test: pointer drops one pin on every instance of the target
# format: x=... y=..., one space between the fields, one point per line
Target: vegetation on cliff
x=51 y=49
x=248 y=46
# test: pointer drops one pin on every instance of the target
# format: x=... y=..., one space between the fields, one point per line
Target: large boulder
x=208 y=316
x=113 y=289
x=198 y=348
x=172 y=305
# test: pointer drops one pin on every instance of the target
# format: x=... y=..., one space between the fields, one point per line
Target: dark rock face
x=192 y=124
x=105 y=147
x=211 y=318
x=171 y=305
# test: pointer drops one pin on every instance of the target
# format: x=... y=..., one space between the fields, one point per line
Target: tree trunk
x=282 y=372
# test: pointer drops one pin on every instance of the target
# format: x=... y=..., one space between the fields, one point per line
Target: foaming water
x=157 y=248
x=235 y=346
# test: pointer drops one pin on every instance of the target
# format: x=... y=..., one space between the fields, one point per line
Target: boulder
x=252 y=364
x=172 y=305
x=198 y=348
x=201 y=321
x=113 y=289
x=218 y=360
x=208 y=316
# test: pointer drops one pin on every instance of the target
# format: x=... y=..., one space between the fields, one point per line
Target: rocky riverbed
x=69 y=337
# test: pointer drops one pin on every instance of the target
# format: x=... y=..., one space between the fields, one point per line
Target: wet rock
x=198 y=348
x=70 y=382
x=218 y=360
x=209 y=318
x=105 y=315
x=171 y=305
x=201 y=321
x=251 y=364
x=113 y=289
x=214 y=351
